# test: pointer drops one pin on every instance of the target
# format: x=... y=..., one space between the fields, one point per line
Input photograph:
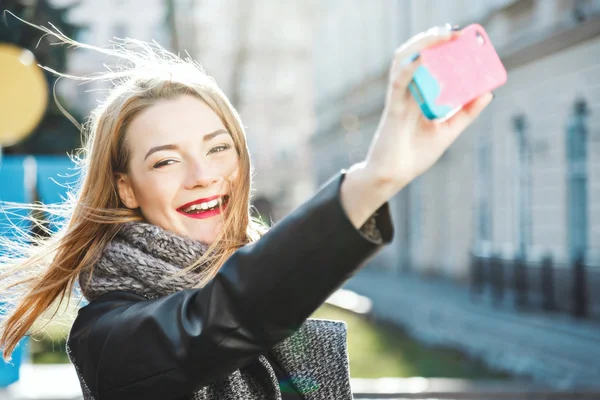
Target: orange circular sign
x=23 y=94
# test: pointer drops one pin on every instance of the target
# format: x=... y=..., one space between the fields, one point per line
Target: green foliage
x=381 y=350
x=50 y=355
x=48 y=349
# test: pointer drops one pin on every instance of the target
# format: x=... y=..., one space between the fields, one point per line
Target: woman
x=189 y=298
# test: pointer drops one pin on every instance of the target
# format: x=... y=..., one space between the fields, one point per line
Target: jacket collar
x=316 y=358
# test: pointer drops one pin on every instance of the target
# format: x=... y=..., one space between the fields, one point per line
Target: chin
x=203 y=236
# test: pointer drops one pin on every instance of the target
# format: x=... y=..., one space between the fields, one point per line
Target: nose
x=201 y=175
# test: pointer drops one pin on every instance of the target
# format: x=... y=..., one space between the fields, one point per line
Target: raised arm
x=128 y=347
x=406 y=143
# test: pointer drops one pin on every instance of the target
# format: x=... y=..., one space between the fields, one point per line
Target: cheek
x=235 y=174
x=228 y=169
x=234 y=177
x=157 y=190
x=227 y=165
x=234 y=169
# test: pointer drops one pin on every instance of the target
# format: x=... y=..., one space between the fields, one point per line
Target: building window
x=523 y=184
x=416 y=220
x=84 y=35
x=483 y=189
x=577 y=177
x=120 y=30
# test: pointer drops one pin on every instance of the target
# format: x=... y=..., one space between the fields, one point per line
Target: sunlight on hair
x=38 y=274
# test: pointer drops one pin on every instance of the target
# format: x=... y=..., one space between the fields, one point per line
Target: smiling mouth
x=216 y=204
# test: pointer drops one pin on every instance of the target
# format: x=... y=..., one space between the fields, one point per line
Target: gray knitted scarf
x=144 y=259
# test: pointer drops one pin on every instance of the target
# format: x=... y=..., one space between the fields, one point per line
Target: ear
x=125 y=191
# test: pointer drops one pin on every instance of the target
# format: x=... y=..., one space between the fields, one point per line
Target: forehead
x=183 y=119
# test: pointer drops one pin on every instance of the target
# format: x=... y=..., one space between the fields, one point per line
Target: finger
x=402 y=74
x=424 y=40
x=463 y=118
x=399 y=81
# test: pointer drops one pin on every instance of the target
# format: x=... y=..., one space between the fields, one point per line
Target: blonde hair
x=38 y=273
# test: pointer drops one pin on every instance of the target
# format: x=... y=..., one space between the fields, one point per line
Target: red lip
x=204 y=200
x=208 y=213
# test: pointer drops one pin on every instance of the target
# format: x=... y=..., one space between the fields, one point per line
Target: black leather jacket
x=128 y=347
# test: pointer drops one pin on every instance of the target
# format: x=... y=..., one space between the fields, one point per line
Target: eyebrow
x=205 y=138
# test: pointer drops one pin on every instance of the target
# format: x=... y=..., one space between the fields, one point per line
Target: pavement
x=44 y=382
x=59 y=382
x=552 y=349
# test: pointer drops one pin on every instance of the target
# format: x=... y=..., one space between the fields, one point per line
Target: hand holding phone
x=456 y=72
x=406 y=143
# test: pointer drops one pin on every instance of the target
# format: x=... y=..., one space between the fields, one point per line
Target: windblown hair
x=38 y=273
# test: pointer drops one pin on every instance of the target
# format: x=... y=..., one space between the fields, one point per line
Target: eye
x=219 y=148
x=164 y=163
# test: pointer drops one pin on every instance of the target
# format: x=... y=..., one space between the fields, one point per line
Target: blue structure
x=9 y=372
x=12 y=189
x=48 y=178
x=54 y=176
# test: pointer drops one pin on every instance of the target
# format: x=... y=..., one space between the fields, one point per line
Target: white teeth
x=204 y=206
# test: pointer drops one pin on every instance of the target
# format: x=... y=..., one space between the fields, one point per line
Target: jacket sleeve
x=125 y=346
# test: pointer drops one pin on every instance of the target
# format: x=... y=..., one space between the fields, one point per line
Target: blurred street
x=556 y=351
x=59 y=382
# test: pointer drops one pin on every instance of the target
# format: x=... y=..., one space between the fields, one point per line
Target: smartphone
x=456 y=72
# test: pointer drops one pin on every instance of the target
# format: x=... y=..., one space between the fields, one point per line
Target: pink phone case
x=457 y=72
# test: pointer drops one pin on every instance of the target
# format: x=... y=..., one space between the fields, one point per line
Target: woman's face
x=181 y=161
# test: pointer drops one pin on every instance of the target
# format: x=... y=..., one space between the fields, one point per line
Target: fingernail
x=410 y=59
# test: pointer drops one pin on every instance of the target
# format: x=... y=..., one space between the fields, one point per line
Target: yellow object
x=23 y=94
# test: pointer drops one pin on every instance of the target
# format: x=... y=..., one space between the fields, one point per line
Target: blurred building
x=259 y=52
x=145 y=20
x=353 y=50
x=523 y=181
